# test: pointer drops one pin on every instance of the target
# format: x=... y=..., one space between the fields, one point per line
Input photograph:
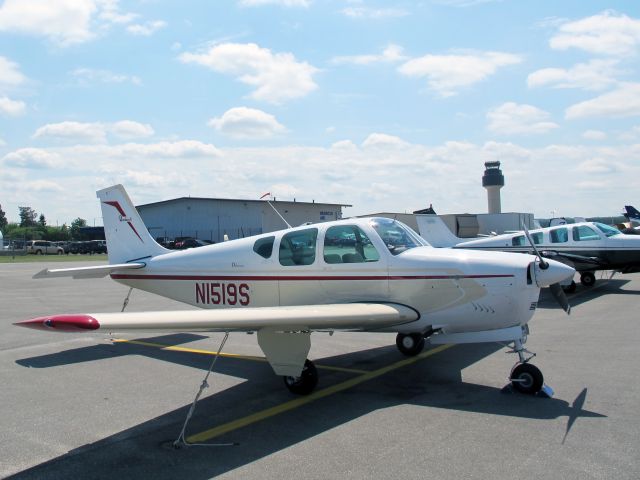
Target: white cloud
x=73 y=132
x=12 y=108
x=10 y=75
x=382 y=140
x=247 y=123
x=374 y=13
x=608 y=33
x=392 y=53
x=594 y=75
x=146 y=29
x=446 y=74
x=513 y=119
x=65 y=21
x=96 y=132
x=111 y=13
x=282 y=3
x=128 y=129
x=598 y=166
x=88 y=75
x=35 y=158
x=277 y=77
x=594 y=135
x=622 y=102
x=44 y=186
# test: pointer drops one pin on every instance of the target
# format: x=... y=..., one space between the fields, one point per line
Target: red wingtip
x=62 y=323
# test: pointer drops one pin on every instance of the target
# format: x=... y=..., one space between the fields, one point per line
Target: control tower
x=493 y=181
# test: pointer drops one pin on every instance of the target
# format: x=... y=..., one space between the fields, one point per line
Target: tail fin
x=127 y=237
x=434 y=231
x=632 y=212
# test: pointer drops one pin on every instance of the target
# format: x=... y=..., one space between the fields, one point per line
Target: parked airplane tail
x=127 y=237
x=436 y=232
x=631 y=212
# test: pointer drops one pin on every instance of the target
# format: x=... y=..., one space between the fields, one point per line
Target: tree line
x=34 y=227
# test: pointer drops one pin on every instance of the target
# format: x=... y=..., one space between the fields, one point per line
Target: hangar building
x=212 y=218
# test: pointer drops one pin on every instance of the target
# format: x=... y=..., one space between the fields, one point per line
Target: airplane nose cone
x=554 y=273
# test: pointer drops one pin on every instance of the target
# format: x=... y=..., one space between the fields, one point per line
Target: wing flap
x=97 y=271
x=352 y=316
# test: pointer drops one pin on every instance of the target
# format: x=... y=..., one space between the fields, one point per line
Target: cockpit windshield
x=608 y=230
x=396 y=235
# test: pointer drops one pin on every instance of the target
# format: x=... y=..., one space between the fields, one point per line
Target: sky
x=386 y=106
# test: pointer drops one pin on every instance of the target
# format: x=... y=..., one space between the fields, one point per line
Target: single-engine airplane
x=284 y=285
x=586 y=246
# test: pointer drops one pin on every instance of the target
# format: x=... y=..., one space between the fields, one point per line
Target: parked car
x=189 y=243
x=97 y=246
x=43 y=247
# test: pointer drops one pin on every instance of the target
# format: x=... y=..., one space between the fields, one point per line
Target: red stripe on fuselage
x=303 y=278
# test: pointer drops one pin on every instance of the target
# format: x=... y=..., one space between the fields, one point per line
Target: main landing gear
x=410 y=344
x=306 y=382
x=525 y=377
x=587 y=279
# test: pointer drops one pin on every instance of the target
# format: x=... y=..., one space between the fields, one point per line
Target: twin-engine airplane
x=586 y=246
x=365 y=274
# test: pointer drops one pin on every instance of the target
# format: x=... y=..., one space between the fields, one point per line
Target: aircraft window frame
x=338 y=248
x=264 y=246
x=300 y=253
x=584 y=233
x=405 y=238
x=537 y=237
x=554 y=235
x=607 y=230
x=518 y=241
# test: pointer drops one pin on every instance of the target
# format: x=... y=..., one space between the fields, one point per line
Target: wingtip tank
x=61 y=323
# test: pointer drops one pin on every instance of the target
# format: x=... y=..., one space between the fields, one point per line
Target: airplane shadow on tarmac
x=143 y=450
x=586 y=294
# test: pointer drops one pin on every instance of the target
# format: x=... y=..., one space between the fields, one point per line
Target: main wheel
x=587 y=279
x=527 y=378
x=570 y=288
x=410 y=344
x=306 y=382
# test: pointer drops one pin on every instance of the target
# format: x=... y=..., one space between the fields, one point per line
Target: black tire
x=527 y=378
x=306 y=382
x=410 y=344
x=570 y=288
x=587 y=279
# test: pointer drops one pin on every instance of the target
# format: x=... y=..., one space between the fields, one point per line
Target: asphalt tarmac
x=98 y=406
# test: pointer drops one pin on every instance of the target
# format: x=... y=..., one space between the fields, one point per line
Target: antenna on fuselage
x=274 y=209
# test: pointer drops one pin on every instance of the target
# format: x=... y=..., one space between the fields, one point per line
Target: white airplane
x=365 y=274
x=586 y=246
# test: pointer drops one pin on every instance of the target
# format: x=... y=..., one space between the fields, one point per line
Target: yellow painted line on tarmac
x=174 y=348
x=300 y=401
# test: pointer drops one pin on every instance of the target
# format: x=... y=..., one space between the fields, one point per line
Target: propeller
x=556 y=288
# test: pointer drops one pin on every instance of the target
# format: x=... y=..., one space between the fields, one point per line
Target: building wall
x=211 y=219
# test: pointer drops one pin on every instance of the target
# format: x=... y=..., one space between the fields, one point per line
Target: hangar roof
x=240 y=200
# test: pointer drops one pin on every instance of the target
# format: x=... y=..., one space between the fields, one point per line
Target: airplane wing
x=350 y=316
x=98 y=271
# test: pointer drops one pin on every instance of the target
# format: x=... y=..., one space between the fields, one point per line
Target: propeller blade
x=561 y=298
x=543 y=265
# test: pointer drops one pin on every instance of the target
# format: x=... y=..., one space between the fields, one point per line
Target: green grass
x=53 y=258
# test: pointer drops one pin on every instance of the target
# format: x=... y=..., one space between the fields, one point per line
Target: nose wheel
x=527 y=378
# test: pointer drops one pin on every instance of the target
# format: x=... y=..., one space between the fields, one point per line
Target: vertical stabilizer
x=436 y=232
x=127 y=237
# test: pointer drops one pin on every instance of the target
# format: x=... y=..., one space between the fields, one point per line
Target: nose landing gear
x=525 y=377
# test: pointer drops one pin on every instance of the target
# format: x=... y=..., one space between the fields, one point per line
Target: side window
x=348 y=244
x=264 y=247
x=559 y=235
x=299 y=248
x=537 y=238
x=518 y=241
x=582 y=233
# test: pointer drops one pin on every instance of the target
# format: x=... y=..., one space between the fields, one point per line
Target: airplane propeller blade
x=561 y=298
x=543 y=265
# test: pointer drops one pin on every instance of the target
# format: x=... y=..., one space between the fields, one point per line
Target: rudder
x=126 y=234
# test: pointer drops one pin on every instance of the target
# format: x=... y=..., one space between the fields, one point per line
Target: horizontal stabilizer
x=351 y=316
x=97 y=271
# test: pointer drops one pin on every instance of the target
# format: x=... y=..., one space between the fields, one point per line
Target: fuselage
x=353 y=260
x=588 y=246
